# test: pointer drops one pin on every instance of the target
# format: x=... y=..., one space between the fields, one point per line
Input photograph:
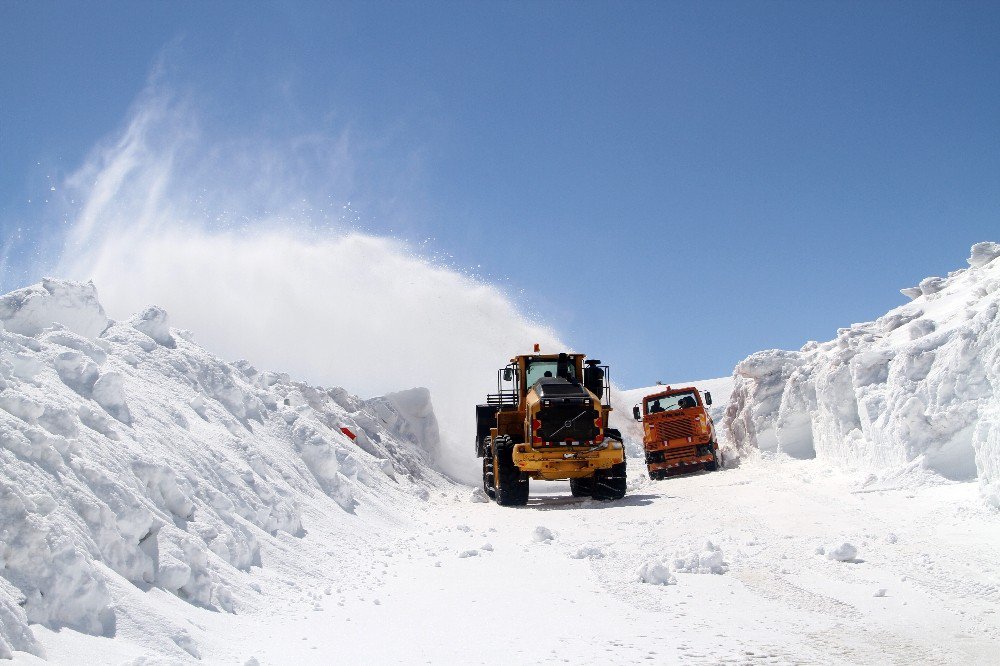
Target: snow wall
x=918 y=386
x=130 y=457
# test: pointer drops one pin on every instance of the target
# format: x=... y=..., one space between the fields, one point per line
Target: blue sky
x=670 y=185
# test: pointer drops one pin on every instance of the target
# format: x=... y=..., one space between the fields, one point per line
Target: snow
x=843 y=552
x=74 y=306
x=916 y=389
x=708 y=559
x=542 y=535
x=656 y=572
x=161 y=505
x=129 y=456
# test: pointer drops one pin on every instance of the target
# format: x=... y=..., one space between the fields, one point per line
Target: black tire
x=609 y=484
x=716 y=461
x=511 y=485
x=582 y=487
x=489 y=484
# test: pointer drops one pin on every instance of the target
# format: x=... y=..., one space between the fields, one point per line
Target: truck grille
x=672 y=455
x=675 y=429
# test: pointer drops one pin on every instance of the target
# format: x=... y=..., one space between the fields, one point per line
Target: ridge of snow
x=921 y=384
x=132 y=457
x=72 y=305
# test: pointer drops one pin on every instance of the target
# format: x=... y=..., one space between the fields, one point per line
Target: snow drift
x=130 y=456
x=919 y=386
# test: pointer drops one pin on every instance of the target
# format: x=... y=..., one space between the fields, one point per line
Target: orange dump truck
x=678 y=432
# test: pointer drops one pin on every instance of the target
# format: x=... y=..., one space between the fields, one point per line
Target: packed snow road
x=633 y=581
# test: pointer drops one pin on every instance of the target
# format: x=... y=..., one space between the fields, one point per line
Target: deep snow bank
x=129 y=453
x=919 y=385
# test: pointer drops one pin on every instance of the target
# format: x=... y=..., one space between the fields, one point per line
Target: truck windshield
x=547 y=368
x=668 y=403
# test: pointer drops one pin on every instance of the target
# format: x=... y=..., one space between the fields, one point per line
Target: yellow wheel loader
x=549 y=420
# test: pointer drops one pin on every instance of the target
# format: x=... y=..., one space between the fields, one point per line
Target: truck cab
x=678 y=432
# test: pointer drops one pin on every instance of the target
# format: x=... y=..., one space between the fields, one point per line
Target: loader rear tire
x=511 y=485
x=610 y=484
x=582 y=487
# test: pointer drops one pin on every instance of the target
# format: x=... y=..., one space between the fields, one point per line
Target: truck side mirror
x=508 y=376
x=636 y=414
x=708 y=397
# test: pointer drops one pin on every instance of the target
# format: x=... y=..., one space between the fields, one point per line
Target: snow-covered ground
x=159 y=505
x=571 y=581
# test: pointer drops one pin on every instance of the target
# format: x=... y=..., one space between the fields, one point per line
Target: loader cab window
x=543 y=368
x=672 y=403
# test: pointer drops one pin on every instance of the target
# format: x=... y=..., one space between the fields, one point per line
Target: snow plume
x=919 y=387
x=219 y=234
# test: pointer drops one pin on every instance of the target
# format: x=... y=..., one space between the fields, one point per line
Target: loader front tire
x=511 y=485
x=610 y=484
x=489 y=484
x=582 y=487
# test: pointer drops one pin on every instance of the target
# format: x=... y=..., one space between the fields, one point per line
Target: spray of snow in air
x=217 y=234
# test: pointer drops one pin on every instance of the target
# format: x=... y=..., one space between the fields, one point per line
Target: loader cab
x=537 y=368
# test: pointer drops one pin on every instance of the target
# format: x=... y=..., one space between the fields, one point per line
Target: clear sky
x=670 y=185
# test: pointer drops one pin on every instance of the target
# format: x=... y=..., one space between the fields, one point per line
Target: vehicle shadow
x=561 y=502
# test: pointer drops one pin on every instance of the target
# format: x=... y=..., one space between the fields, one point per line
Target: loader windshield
x=669 y=403
x=537 y=369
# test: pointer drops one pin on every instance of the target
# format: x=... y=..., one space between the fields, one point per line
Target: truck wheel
x=582 y=487
x=716 y=461
x=511 y=488
x=489 y=484
x=609 y=484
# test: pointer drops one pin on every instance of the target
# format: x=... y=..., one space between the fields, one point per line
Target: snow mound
x=130 y=456
x=587 y=553
x=707 y=560
x=656 y=572
x=72 y=305
x=983 y=253
x=842 y=552
x=920 y=384
x=542 y=534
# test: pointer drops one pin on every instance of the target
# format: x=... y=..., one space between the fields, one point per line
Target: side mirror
x=508 y=376
x=708 y=397
x=635 y=413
